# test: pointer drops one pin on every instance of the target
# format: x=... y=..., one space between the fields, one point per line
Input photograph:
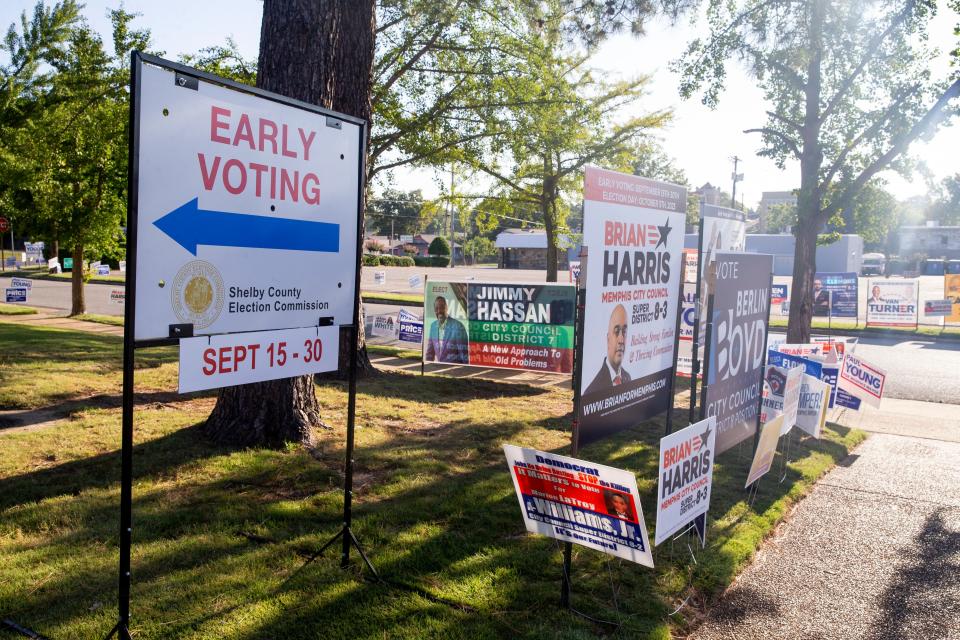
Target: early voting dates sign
x=835 y=294
x=241 y=358
x=581 y=502
x=246 y=208
x=686 y=476
x=633 y=229
x=501 y=325
x=741 y=305
x=893 y=303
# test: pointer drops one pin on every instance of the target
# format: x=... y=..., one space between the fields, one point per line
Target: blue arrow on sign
x=190 y=226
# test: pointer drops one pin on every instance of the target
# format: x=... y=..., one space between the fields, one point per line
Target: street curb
x=877 y=333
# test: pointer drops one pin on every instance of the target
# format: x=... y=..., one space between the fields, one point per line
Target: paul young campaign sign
x=686 y=476
x=862 y=380
x=581 y=502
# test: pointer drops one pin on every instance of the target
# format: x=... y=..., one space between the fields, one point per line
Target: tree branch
x=787 y=140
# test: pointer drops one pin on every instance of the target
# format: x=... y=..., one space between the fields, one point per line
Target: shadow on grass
x=434 y=508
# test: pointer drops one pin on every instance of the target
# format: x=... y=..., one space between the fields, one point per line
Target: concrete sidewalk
x=873 y=552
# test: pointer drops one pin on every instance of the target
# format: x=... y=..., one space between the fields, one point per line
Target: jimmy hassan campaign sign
x=500 y=325
x=741 y=305
x=582 y=502
x=633 y=229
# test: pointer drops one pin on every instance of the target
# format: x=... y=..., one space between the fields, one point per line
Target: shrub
x=405 y=261
x=371 y=260
x=373 y=245
x=422 y=261
x=439 y=261
x=439 y=247
x=387 y=260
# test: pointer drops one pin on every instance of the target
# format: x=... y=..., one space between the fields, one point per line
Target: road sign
x=4 y=224
x=246 y=210
x=242 y=358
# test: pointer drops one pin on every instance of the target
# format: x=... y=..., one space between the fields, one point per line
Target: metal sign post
x=676 y=349
x=254 y=255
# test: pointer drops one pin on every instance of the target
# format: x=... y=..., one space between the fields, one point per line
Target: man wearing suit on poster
x=447 y=340
x=612 y=373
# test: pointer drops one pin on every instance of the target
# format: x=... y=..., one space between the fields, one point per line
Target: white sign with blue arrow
x=247 y=210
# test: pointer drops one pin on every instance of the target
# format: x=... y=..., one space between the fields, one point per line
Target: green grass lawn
x=15 y=310
x=388 y=298
x=223 y=536
x=116 y=321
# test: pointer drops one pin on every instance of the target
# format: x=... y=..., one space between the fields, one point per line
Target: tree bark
x=78 y=305
x=548 y=211
x=321 y=52
x=804 y=271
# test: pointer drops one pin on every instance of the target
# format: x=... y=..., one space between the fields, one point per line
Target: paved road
x=873 y=552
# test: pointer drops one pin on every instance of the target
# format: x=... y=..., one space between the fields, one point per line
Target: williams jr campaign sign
x=893 y=303
x=578 y=501
x=686 y=475
x=508 y=326
x=741 y=305
x=633 y=228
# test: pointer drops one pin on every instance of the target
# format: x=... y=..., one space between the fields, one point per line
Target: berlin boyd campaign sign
x=633 y=229
x=247 y=209
x=581 y=502
x=741 y=305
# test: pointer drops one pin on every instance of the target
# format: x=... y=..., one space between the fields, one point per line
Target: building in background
x=931 y=241
x=708 y=194
x=770 y=199
x=527 y=249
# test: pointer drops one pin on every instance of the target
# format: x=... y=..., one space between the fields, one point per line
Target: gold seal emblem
x=197 y=294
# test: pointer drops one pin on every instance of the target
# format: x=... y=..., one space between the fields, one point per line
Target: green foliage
x=371 y=260
x=479 y=247
x=225 y=61
x=395 y=211
x=422 y=261
x=946 y=208
x=439 y=261
x=405 y=261
x=439 y=247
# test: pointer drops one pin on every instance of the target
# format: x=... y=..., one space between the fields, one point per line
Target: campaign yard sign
x=734 y=380
x=633 y=228
x=893 y=303
x=241 y=201
x=118 y=296
x=687 y=319
x=103 y=270
x=500 y=325
x=814 y=393
x=835 y=294
x=862 y=380
x=780 y=298
x=781 y=395
x=766 y=450
x=933 y=308
x=21 y=283
x=411 y=327
x=581 y=502
x=382 y=326
x=686 y=477
x=15 y=294
x=951 y=291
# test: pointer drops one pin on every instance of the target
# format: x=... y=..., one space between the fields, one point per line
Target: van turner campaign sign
x=241 y=202
x=633 y=228
x=581 y=502
x=686 y=476
x=741 y=305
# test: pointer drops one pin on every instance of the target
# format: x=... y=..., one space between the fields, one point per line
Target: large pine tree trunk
x=321 y=52
x=804 y=270
x=78 y=305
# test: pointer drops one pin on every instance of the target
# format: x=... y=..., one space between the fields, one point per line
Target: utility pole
x=453 y=235
x=736 y=176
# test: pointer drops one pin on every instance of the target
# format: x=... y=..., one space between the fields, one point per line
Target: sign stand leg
x=676 y=348
x=575 y=434
x=706 y=355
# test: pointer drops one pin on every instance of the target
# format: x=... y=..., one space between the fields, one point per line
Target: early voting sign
x=738 y=351
x=581 y=502
x=246 y=208
x=893 y=303
x=835 y=294
x=686 y=476
x=500 y=325
x=633 y=229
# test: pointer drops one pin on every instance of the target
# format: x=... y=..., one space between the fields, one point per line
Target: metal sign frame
x=130 y=345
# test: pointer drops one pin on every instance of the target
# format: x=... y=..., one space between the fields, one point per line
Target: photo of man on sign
x=447 y=340
x=612 y=373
